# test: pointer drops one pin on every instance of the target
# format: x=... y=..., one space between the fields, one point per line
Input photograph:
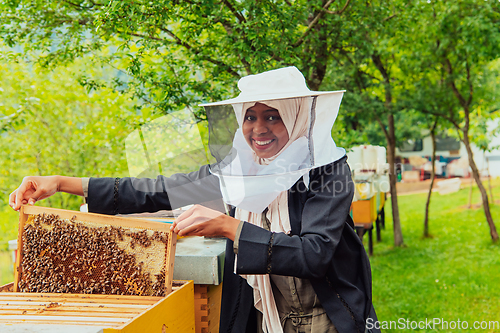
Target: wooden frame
x=28 y=210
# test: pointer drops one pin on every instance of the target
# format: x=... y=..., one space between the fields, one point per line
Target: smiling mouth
x=262 y=143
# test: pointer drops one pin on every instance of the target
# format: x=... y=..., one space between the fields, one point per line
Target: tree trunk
x=489 y=181
x=484 y=195
x=391 y=158
x=317 y=64
x=433 y=175
x=469 y=204
x=390 y=135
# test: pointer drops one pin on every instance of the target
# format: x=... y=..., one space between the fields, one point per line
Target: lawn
x=452 y=276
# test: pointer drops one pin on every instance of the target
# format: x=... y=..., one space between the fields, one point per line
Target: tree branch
x=380 y=66
x=434 y=125
x=144 y=36
x=390 y=17
x=387 y=80
x=471 y=87
x=238 y=15
x=460 y=137
x=79 y=6
x=437 y=114
x=454 y=88
x=396 y=14
x=382 y=126
x=314 y=21
x=195 y=51
x=340 y=11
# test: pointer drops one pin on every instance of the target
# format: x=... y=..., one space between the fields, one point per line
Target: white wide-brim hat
x=280 y=83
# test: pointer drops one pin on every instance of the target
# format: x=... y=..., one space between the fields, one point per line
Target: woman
x=293 y=261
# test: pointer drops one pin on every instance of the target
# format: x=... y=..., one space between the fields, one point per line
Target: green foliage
x=453 y=46
x=352 y=129
x=369 y=67
x=6 y=268
x=176 y=54
x=8 y=226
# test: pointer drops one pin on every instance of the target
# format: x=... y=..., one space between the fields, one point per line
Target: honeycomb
x=69 y=256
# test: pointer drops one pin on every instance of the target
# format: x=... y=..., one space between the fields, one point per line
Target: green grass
x=454 y=275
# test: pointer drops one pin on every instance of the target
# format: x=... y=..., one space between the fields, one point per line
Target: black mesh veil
x=255 y=150
x=175 y=145
x=222 y=126
x=166 y=145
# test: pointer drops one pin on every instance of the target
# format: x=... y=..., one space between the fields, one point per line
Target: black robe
x=322 y=247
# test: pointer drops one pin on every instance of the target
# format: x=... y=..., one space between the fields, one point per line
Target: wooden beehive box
x=78 y=255
x=207 y=301
x=364 y=211
x=49 y=312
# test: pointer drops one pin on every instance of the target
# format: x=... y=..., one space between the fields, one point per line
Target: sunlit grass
x=453 y=275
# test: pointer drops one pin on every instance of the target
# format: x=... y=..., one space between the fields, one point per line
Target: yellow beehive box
x=380 y=201
x=80 y=271
x=207 y=302
x=31 y=312
x=364 y=211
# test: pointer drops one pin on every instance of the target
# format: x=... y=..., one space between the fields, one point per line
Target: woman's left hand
x=203 y=221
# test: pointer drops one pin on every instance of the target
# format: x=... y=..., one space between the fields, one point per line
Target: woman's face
x=264 y=130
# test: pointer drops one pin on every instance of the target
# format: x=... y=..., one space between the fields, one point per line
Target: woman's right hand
x=33 y=189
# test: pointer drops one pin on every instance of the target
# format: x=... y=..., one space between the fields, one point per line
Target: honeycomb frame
x=101 y=224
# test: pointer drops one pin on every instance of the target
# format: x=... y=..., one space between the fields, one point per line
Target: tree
x=370 y=56
x=420 y=100
x=177 y=54
x=456 y=41
x=173 y=54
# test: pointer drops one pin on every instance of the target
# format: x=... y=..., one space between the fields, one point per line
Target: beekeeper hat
x=280 y=83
